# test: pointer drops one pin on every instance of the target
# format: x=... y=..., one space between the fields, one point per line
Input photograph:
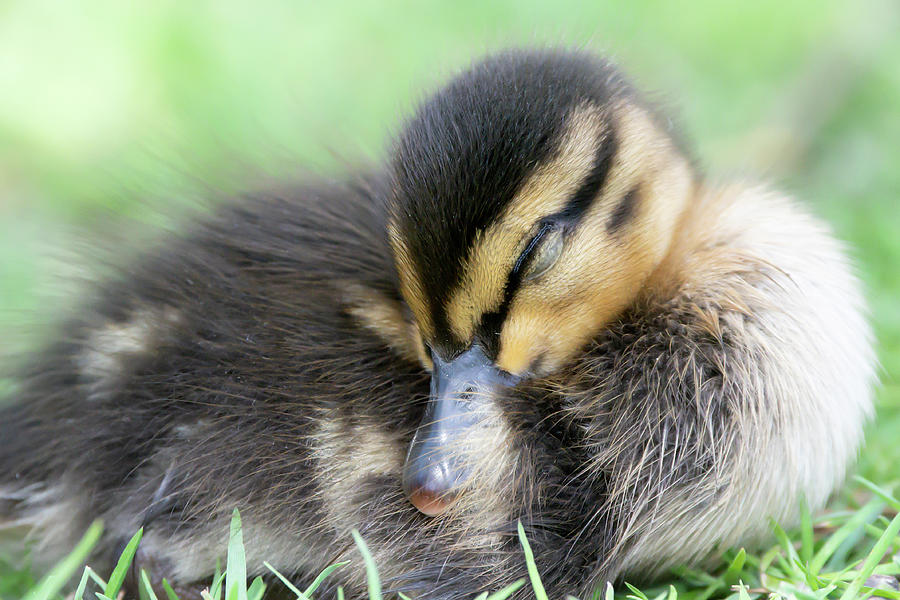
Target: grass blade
x=877 y=553
x=710 y=590
x=147 y=587
x=101 y=583
x=79 y=591
x=637 y=593
x=256 y=589
x=807 y=546
x=733 y=573
x=880 y=492
x=236 y=563
x=854 y=523
x=124 y=563
x=793 y=559
x=533 y=574
x=294 y=590
x=840 y=575
x=52 y=583
x=308 y=592
x=371 y=568
x=167 y=588
x=215 y=590
x=508 y=591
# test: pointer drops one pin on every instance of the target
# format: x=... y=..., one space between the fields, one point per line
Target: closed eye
x=542 y=252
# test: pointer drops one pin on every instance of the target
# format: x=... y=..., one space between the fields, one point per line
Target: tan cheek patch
x=598 y=275
x=595 y=279
x=540 y=336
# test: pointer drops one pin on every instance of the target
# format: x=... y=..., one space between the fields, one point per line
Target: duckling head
x=531 y=200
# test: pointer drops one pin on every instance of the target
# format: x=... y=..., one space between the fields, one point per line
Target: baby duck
x=538 y=311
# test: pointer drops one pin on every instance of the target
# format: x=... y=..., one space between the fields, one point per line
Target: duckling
x=538 y=311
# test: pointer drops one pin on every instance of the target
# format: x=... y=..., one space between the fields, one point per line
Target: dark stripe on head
x=590 y=188
x=624 y=211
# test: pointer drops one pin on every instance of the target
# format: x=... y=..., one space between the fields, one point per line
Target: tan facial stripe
x=410 y=283
x=547 y=191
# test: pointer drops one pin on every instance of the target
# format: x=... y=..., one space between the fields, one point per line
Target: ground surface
x=117 y=112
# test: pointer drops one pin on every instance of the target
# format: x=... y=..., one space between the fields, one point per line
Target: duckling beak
x=435 y=466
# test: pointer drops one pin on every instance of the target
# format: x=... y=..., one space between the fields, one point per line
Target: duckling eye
x=543 y=251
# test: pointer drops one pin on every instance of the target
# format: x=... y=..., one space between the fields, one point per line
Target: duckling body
x=537 y=311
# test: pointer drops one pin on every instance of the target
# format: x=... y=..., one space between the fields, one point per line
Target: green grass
x=845 y=555
x=115 y=117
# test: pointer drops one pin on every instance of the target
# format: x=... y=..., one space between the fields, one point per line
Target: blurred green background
x=131 y=110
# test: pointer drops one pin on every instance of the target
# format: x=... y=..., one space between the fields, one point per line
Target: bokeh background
x=117 y=116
